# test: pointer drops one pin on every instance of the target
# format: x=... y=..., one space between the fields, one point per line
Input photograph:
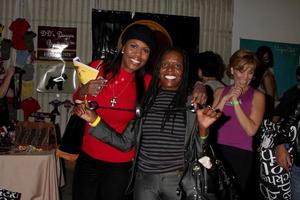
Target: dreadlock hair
x=179 y=100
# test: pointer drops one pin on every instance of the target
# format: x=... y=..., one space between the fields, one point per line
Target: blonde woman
x=243 y=108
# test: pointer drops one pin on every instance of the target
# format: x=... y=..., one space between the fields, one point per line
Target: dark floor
x=66 y=190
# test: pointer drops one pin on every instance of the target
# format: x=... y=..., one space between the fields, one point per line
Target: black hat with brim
x=140 y=32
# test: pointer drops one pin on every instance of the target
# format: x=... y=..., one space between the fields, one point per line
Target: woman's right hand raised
x=92 y=87
x=233 y=94
x=236 y=92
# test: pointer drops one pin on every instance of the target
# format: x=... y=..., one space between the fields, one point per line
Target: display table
x=35 y=175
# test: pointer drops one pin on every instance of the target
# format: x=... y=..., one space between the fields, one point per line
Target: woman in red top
x=102 y=172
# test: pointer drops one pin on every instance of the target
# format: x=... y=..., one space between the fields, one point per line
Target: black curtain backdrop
x=108 y=25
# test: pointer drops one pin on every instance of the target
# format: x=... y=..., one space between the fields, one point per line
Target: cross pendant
x=113 y=101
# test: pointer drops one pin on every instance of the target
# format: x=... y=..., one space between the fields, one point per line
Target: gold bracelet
x=96 y=122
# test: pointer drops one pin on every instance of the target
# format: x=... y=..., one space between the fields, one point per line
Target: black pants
x=240 y=163
x=98 y=180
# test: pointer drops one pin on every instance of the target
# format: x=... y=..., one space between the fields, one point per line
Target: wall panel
x=215 y=25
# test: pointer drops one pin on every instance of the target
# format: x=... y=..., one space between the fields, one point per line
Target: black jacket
x=285 y=136
x=132 y=136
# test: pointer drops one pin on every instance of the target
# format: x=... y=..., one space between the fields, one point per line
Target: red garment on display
x=18 y=28
x=29 y=105
x=117 y=119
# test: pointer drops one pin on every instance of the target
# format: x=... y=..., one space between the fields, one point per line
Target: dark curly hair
x=261 y=51
x=211 y=64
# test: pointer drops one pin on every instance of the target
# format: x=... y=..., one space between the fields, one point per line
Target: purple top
x=231 y=132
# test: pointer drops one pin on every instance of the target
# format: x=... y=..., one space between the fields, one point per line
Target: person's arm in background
x=199 y=95
x=283 y=137
x=5 y=84
x=269 y=83
x=283 y=157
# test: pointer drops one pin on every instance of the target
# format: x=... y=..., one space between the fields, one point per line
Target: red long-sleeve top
x=117 y=119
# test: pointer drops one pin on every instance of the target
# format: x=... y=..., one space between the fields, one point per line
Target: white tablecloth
x=37 y=176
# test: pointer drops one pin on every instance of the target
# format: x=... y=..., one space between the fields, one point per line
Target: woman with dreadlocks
x=162 y=131
x=103 y=171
